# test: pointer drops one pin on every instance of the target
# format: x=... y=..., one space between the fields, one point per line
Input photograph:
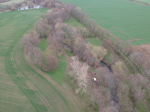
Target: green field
x=94 y=41
x=126 y=19
x=24 y=88
x=43 y=44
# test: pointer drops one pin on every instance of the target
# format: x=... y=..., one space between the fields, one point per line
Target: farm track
x=22 y=88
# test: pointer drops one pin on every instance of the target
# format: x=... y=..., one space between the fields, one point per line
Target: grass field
x=22 y=88
x=75 y=23
x=59 y=74
x=125 y=19
x=43 y=44
x=94 y=41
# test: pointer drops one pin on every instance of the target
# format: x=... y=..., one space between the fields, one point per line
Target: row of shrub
x=131 y=90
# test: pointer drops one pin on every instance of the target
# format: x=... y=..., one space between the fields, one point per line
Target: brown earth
x=143 y=48
x=134 y=39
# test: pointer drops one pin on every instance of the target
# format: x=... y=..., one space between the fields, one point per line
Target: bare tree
x=79 y=47
x=98 y=52
x=78 y=71
x=43 y=29
x=113 y=59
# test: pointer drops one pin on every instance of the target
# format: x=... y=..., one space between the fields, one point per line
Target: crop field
x=11 y=1
x=24 y=87
x=127 y=20
x=145 y=1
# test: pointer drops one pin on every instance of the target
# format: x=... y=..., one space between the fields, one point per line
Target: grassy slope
x=127 y=20
x=43 y=44
x=75 y=23
x=22 y=88
x=94 y=41
x=59 y=74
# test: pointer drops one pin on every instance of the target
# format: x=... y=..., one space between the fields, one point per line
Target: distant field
x=125 y=19
x=12 y=1
x=22 y=88
x=145 y=1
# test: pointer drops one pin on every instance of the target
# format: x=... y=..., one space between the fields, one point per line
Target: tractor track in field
x=17 y=71
x=13 y=74
x=58 y=87
x=23 y=87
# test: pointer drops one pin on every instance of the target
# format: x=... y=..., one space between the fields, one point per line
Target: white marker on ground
x=94 y=79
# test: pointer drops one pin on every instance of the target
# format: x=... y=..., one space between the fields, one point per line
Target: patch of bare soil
x=134 y=39
x=90 y=77
x=143 y=48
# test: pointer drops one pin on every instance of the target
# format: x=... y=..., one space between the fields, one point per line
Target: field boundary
x=139 y=2
x=122 y=54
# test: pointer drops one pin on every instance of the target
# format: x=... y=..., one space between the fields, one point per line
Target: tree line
x=131 y=90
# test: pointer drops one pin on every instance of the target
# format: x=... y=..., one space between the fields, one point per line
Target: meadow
x=126 y=19
x=24 y=87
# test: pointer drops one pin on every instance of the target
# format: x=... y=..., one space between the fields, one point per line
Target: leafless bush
x=43 y=28
x=78 y=71
x=32 y=37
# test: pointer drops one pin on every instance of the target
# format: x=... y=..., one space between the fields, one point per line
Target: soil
x=90 y=77
x=143 y=48
x=134 y=39
x=91 y=74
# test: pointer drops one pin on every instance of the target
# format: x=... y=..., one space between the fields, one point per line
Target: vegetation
x=120 y=23
x=9 y=2
x=73 y=22
x=22 y=87
x=94 y=41
x=65 y=42
x=43 y=44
